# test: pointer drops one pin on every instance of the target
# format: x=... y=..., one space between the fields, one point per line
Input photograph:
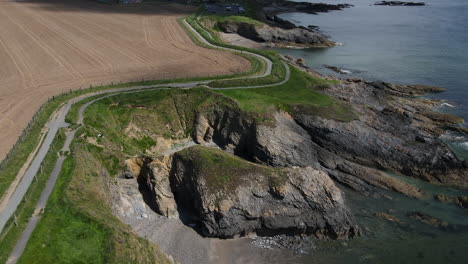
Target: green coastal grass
x=243 y=19
x=11 y=232
x=223 y=172
x=299 y=93
x=131 y=121
x=78 y=226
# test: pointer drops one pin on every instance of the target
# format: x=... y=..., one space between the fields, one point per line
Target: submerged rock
x=388 y=217
x=427 y=219
x=461 y=201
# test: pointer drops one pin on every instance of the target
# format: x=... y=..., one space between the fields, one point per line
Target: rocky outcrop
x=392 y=131
x=272 y=8
x=227 y=197
x=295 y=36
x=156 y=189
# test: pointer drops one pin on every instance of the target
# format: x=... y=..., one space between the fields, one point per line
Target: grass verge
x=11 y=232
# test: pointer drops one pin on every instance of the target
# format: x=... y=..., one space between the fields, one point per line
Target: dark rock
x=336 y=69
x=388 y=217
x=271 y=10
x=461 y=201
x=429 y=220
x=400 y=3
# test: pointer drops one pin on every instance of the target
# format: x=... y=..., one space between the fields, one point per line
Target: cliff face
x=227 y=196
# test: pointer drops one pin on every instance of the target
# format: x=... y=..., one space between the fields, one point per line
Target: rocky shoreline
x=279 y=32
x=294 y=160
x=281 y=182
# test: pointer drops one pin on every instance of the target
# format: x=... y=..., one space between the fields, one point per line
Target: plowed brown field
x=51 y=46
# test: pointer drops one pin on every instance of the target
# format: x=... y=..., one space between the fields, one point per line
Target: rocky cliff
x=227 y=196
x=392 y=131
x=274 y=174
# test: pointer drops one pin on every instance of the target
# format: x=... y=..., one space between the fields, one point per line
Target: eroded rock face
x=153 y=178
x=251 y=198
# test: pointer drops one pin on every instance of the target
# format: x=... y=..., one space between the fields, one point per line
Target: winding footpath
x=58 y=121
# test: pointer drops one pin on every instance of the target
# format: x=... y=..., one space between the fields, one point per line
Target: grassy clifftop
x=223 y=171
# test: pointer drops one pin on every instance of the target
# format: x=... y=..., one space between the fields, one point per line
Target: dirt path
x=51 y=46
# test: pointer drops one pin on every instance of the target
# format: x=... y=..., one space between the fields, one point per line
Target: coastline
x=188 y=246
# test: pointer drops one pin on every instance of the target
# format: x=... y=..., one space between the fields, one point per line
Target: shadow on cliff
x=153 y=7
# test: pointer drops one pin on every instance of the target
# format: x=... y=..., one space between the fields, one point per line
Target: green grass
x=11 y=233
x=300 y=93
x=78 y=226
x=133 y=122
x=243 y=19
x=223 y=172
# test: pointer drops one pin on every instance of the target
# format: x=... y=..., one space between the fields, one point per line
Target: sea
x=409 y=45
x=400 y=44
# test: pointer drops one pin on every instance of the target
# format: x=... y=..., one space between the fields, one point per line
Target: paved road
x=59 y=122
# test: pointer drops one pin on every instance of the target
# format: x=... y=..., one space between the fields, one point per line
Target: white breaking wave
x=464 y=145
x=447 y=104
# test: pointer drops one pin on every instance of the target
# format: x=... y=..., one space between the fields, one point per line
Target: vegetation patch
x=224 y=172
x=78 y=226
x=243 y=19
x=300 y=92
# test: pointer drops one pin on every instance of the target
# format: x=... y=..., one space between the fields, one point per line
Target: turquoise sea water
x=410 y=45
